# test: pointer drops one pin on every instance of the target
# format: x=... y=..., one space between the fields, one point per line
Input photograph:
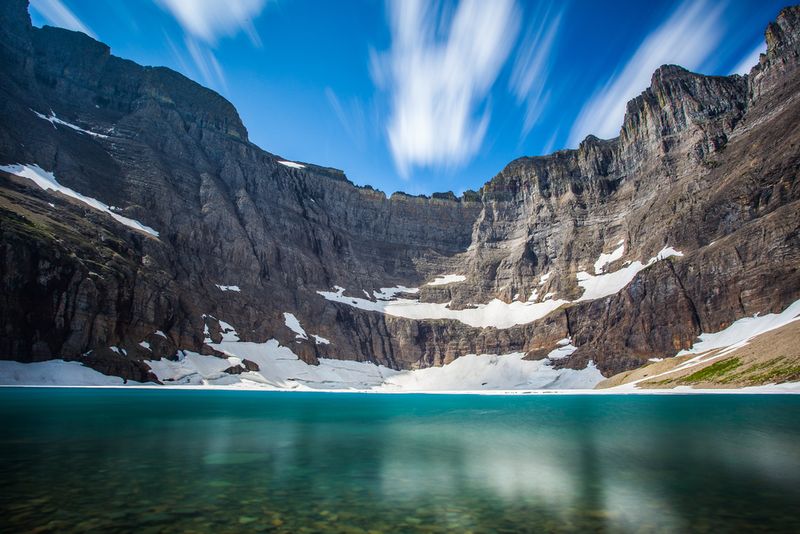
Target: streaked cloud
x=206 y=63
x=750 y=60
x=442 y=63
x=208 y=20
x=532 y=65
x=204 y=22
x=57 y=14
x=688 y=38
x=351 y=116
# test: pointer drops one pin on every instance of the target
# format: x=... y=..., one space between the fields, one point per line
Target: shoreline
x=792 y=388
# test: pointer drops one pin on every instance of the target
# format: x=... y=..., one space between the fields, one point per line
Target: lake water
x=232 y=461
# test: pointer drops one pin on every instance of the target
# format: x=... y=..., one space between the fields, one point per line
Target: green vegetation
x=714 y=371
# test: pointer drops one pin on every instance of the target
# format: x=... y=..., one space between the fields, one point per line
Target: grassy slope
x=771 y=358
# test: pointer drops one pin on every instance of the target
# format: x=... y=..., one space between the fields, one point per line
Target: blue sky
x=423 y=96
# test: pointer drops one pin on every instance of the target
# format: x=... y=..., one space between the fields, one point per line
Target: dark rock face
x=707 y=165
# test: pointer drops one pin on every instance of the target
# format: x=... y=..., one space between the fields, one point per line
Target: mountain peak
x=784 y=31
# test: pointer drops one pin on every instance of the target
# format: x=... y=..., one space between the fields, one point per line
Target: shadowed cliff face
x=705 y=165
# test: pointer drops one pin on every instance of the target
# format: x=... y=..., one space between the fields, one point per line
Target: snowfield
x=282 y=369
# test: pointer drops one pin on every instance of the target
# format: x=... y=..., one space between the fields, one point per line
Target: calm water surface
x=232 y=461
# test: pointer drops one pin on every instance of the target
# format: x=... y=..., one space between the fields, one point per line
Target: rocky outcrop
x=706 y=165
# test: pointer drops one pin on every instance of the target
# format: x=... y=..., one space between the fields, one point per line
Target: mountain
x=140 y=227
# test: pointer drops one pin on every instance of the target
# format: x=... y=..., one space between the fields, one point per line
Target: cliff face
x=705 y=165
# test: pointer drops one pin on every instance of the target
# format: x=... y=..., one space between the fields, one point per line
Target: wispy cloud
x=351 y=116
x=438 y=72
x=688 y=38
x=57 y=14
x=749 y=61
x=206 y=63
x=204 y=22
x=208 y=20
x=532 y=65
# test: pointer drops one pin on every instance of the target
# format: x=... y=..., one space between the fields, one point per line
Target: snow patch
x=292 y=164
x=47 y=181
x=228 y=332
x=145 y=345
x=605 y=259
x=737 y=335
x=52 y=119
x=741 y=331
x=563 y=349
x=192 y=368
x=320 y=340
x=603 y=285
x=496 y=313
x=294 y=325
x=228 y=288
x=447 y=279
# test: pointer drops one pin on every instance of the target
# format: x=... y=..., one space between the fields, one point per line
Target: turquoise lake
x=110 y=460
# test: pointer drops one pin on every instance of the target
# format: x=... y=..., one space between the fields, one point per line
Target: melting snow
x=52 y=119
x=292 y=164
x=447 y=279
x=47 y=181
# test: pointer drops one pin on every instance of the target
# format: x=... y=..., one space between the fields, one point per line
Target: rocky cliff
x=630 y=247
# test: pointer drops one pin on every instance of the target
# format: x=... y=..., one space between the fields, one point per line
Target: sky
x=419 y=96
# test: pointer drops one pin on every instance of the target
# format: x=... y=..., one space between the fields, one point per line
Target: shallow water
x=232 y=461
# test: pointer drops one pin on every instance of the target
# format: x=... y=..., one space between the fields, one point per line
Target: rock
x=706 y=165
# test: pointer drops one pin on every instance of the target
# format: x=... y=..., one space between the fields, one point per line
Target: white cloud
x=206 y=63
x=688 y=38
x=750 y=60
x=57 y=14
x=438 y=72
x=531 y=66
x=203 y=23
x=208 y=20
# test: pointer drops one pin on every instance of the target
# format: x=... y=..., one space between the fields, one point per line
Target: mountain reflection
x=339 y=462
